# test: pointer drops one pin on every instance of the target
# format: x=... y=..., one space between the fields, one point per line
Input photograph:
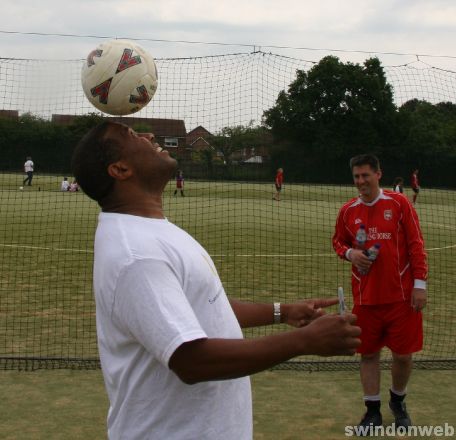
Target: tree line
x=328 y=114
x=337 y=110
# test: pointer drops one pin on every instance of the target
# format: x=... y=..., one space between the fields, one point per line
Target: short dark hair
x=365 y=159
x=91 y=158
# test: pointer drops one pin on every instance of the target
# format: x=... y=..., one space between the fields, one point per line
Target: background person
x=171 y=347
x=388 y=299
x=278 y=182
x=415 y=184
x=65 y=185
x=74 y=186
x=179 y=183
x=28 y=169
x=398 y=185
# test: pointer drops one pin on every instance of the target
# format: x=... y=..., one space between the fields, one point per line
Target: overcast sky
x=407 y=26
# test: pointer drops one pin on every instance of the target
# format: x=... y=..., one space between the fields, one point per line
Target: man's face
x=150 y=162
x=367 y=181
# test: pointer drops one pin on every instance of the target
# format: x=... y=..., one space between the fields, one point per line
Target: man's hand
x=419 y=299
x=301 y=313
x=333 y=335
x=360 y=260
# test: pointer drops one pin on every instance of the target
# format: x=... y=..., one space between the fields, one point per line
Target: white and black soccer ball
x=119 y=77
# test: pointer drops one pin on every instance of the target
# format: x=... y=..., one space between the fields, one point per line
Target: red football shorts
x=396 y=326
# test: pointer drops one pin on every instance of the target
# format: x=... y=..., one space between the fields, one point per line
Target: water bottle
x=372 y=254
x=361 y=237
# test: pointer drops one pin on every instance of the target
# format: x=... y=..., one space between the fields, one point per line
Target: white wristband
x=277 y=314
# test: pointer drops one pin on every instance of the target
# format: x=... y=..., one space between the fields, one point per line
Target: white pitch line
x=86 y=251
x=39 y=248
x=444 y=247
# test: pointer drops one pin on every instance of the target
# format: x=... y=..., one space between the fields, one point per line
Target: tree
x=334 y=110
x=428 y=129
x=232 y=139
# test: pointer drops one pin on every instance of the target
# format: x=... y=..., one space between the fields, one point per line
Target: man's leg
x=400 y=374
x=370 y=381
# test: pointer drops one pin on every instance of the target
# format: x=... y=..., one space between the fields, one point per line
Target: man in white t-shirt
x=174 y=360
x=65 y=185
x=28 y=169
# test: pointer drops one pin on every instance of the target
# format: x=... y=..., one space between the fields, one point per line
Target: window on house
x=171 y=142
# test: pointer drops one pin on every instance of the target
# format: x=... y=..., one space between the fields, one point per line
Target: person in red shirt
x=179 y=183
x=278 y=184
x=415 y=184
x=390 y=292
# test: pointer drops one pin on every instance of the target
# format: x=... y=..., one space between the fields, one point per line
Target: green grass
x=47 y=309
x=264 y=251
x=62 y=405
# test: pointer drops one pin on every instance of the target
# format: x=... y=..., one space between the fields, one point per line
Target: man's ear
x=120 y=170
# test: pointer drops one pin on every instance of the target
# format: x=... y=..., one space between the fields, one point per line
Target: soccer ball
x=119 y=77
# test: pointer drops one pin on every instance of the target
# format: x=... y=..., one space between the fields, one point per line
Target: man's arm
x=218 y=359
x=341 y=239
x=417 y=254
x=295 y=314
x=415 y=242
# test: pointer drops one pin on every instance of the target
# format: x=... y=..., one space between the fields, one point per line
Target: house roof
x=158 y=126
x=200 y=128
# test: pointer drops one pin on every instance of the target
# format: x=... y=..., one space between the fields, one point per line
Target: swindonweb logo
x=424 y=431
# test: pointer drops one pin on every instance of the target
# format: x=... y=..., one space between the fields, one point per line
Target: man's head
x=366 y=175
x=112 y=161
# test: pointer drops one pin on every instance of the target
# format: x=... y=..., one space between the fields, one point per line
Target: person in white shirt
x=173 y=356
x=28 y=169
x=65 y=185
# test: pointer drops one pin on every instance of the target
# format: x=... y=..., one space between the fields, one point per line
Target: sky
x=345 y=27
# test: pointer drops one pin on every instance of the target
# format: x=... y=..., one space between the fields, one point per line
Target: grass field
x=264 y=251
x=72 y=405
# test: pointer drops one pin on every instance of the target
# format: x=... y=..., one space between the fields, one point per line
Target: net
x=264 y=250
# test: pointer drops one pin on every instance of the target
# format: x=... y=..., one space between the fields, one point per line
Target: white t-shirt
x=156 y=288
x=65 y=185
x=28 y=166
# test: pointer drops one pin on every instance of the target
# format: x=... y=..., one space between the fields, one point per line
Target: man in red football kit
x=415 y=184
x=278 y=184
x=390 y=292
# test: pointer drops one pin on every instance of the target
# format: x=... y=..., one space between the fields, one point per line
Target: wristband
x=277 y=314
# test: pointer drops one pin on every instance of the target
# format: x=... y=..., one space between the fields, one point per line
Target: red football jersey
x=391 y=221
x=414 y=181
x=279 y=178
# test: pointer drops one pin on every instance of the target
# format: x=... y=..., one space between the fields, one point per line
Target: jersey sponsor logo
x=373 y=234
x=358 y=221
x=387 y=214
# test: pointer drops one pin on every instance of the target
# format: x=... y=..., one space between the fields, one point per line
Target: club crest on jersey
x=387 y=214
x=358 y=221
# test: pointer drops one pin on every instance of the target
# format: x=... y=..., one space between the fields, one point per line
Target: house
x=199 y=139
x=169 y=133
x=9 y=114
